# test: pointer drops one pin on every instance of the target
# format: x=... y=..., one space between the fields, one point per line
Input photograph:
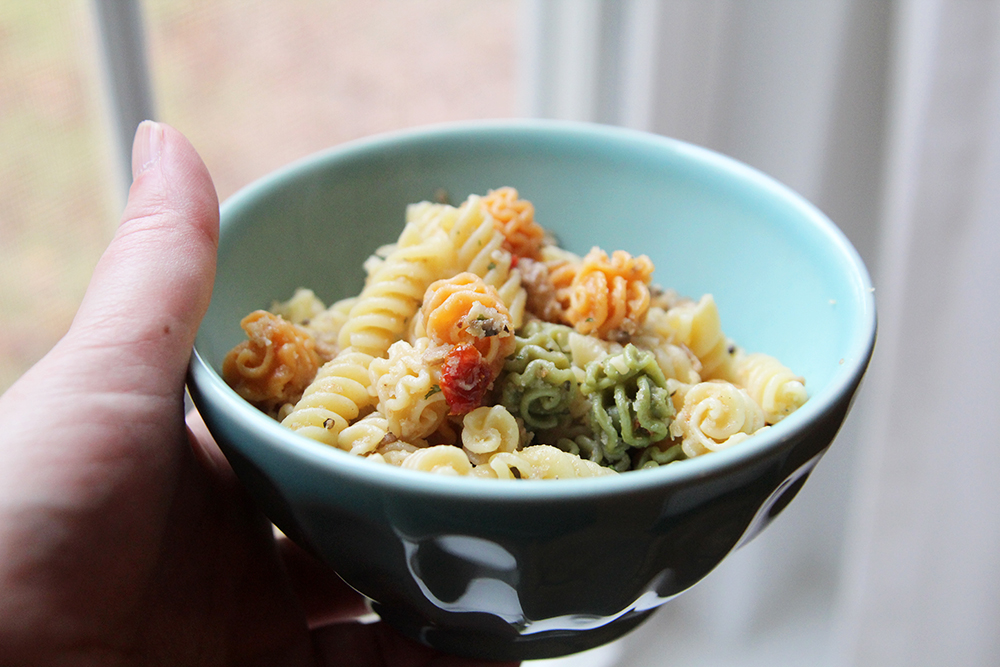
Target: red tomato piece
x=465 y=378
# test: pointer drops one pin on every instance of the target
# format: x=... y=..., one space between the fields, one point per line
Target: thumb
x=153 y=284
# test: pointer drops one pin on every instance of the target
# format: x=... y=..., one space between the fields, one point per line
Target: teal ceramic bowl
x=532 y=569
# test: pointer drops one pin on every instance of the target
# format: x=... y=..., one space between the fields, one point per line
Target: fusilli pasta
x=774 y=387
x=479 y=347
x=716 y=415
x=274 y=365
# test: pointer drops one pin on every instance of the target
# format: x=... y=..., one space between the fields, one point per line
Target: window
x=253 y=84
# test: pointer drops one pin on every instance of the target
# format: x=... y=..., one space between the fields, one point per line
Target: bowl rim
x=210 y=387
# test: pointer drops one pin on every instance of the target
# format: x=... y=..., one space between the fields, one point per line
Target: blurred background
x=885 y=113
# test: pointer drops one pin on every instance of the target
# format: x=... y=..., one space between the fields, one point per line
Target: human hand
x=125 y=539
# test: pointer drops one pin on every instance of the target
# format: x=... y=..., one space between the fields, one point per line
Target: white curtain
x=886 y=115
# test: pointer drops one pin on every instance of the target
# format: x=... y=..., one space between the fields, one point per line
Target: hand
x=124 y=537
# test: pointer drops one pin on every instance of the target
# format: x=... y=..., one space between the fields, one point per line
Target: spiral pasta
x=334 y=399
x=609 y=296
x=440 y=459
x=407 y=388
x=378 y=318
x=393 y=295
x=515 y=218
x=774 y=387
x=631 y=404
x=697 y=326
x=464 y=309
x=539 y=462
x=716 y=415
x=303 y=306
x=677 y=361
x=365 y=435
x=479 y=249
x=487 y=431
x=538 y=384
x=274 y=365
x=479 y=347
x=325 y=327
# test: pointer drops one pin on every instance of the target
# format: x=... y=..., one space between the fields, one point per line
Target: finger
x=355 y=645
x=325 y=597
x=153 y=283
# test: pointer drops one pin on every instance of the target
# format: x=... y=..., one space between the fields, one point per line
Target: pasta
x=274 y=365
x=716 y=415
x=515 y=218
x=539 y=384
x=630 y=404
x=334 y=399
x=478 y=347
x=406 y=386
x=464 y=309
x=487 y=431
x=609 y=296
x=697 y=326
x=777 y=390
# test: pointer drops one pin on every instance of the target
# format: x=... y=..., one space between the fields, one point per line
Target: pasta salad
x=480 y=347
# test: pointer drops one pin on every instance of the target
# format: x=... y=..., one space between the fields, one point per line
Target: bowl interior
x=786 y=281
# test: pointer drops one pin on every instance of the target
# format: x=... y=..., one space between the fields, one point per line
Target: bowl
x=536 y=569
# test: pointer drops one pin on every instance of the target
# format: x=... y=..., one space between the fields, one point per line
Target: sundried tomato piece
x=465 y=378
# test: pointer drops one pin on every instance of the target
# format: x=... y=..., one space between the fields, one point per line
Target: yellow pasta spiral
x=698 y=327
x=716 y=415
x=365 y=435
x=479 y=249
x=539 y=462
x=408 y=390
x=392 y=296
x=440 y=459
x=609 y=294
x=777 y=390
x=487 y=431
x=377 y=319
x=334 y=399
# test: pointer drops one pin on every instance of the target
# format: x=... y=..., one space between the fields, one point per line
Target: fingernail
x=146 y=147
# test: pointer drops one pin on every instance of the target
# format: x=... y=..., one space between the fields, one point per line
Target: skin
x=125 y=539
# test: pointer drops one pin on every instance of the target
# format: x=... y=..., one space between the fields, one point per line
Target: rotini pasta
x=716 y=415
x=365 y=435
x=697 y=326
x=307 y=310
x=406 y=385
x=301 y=308
x=334 y=399
x=440 y=459
x=479 y=347
x=774 y=387
x=274 y=365
x=609 y=297
x=487 y=431
x=540 y=462
x=464 y=309
x=479 y=249
x=539 y=384
x=631 y=404
x=515 y=218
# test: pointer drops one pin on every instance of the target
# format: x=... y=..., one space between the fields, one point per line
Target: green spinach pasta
x=480 y=347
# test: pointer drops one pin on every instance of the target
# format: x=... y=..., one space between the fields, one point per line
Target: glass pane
x=256 y=84
x=58 y=208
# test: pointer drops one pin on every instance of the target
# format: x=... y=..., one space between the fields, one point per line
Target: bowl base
x=480 y=643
